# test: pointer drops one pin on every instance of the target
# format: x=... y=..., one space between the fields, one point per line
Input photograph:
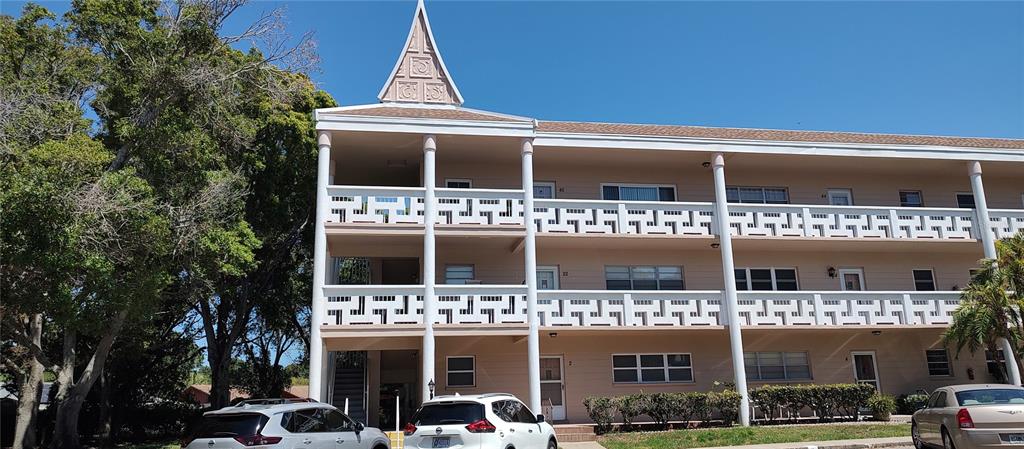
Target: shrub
x=881 y=405
x=907 y=404
x=601 y=411
x=770 y=399
x=629 y=407
x=727 y=403
x=661 y=407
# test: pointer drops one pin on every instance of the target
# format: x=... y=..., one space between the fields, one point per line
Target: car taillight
x=257 y=440
x=481 y=426
x=963 y=419
x=409 y=429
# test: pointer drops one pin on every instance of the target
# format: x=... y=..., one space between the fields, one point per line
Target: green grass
x=734 y=436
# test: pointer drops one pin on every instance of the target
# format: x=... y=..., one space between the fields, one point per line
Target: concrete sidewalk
x=864 y=443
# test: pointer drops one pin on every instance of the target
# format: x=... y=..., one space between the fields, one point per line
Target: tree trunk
x=28 y=394
x=65 y=432
x=220 y=380
x=105 y=415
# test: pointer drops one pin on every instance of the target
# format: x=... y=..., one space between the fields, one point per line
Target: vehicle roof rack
x=273 y=401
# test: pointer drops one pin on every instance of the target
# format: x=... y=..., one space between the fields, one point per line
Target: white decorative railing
x=850 y=221
x=623 y=217
x=375 y=205
x=493 y=207
x=479 y=207
x=1006 y=222
x=506 y=304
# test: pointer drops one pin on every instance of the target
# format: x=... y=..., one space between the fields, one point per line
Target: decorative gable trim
x=420 y=75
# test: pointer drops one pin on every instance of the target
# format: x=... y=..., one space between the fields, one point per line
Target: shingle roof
x=699 y=132
x=438 y=113
x=773 y=135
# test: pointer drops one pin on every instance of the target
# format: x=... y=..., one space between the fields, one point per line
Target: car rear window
x=991 y=396
x=448 y=413
x=228 y=426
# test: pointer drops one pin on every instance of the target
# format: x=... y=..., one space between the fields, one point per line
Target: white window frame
x=928 y=365
x=919 y=193
x=828 y=194
x=935 y=282
x=447 y=266
x=465 y=180
x=552 y=268
x=554 y=187
x=775 y=285
x=675 y=192
x=737 y=187
x=448 y=370
x=956 y=198
x=664 y=359
x=785 y=370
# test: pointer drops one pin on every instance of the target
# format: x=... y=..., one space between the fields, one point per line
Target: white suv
x=282 y=424
x=491 y=421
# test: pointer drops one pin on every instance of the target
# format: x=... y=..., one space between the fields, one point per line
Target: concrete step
x=574 y=433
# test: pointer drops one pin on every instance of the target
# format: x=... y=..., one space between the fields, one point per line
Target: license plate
x=1016 y=438
x=441 y=442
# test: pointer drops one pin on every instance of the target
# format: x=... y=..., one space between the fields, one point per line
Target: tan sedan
x=971 y=417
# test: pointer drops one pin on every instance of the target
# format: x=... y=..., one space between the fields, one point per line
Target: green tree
x=194 y=189
x=990 y=307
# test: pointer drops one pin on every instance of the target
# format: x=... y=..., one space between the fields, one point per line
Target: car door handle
x=339 y=441
x=511 y=430
x=307 y=441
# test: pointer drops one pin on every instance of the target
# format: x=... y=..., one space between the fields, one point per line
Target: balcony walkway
x=494 y=209
x=505 y=305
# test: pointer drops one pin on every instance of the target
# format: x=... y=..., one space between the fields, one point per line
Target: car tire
x=947 y=440
x=552 y=444
x=915 y=435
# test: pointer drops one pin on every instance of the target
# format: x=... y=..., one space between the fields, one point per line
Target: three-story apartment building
x=465 y=251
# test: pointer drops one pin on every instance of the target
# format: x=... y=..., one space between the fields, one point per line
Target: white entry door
x=851 y=279
x=865 y=370
x=552 y=388
x=840 y=197
x=547 y=278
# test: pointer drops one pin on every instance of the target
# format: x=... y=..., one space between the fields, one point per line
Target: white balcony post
x=316 y=345
x=908 y=310
x=819 y=310
x=530 y=252
x=989 y=245
x=429 y=275
x=728 y=270
x=981 y=210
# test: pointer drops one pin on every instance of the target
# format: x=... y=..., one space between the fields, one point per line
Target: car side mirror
x=540 y=418
x=359 y=427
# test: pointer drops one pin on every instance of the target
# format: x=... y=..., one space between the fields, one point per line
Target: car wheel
x=552 y=444
x=915 y=434
x=947 y=441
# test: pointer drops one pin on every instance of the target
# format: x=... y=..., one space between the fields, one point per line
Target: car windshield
x=448 y=413
x=993 y=396
x=229 y=426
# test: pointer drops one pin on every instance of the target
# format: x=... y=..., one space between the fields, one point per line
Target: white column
x=317 y=315
x=530 y=251
x=728 y=270
x=981 y=210
x=429 y=275
x=1011 y=362
x=988 y=242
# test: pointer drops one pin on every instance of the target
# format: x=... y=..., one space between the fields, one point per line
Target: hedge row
x=826 y=401
x=663 y=408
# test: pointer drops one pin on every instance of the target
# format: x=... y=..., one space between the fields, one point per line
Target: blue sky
x=902 y=67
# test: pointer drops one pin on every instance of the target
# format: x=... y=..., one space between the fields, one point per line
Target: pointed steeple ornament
x=419 y=75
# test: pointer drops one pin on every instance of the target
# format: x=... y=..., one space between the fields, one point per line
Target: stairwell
x=350 y=383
